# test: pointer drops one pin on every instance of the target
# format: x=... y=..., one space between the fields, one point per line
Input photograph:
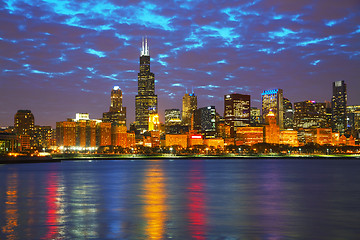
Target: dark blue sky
x=62 y=57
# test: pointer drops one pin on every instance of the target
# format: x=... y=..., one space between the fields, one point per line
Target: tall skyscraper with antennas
x=145 y=100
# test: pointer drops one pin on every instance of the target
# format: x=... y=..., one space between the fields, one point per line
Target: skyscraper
x=146 y=100
x=288 y=114
x=338 y=107
x=117 y=113
x=24 y=128
x=24 y=122
x=205 y=121
x=272 y=100
x=189 y=105
x=236 y=111
x=309 y=114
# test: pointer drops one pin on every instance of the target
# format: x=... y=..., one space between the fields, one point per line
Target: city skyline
x=61 y=58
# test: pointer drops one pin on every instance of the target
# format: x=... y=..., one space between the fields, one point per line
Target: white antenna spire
x=142 y=47
x=145 y=48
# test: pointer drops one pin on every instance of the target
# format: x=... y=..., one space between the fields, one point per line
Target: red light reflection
x=196 y=204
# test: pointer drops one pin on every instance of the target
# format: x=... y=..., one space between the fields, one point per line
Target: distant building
x=172 y=116
x=289 y=137
x=9 y=143
x=255 y=116
x=353 y=120
x=271 y=129
x=154 y=122
x=205 y=121
x=24 y=128
x=250 y=135
x=83 y=133
x=236 y=111
x=119 y=136
x=309 y=114
x=42 y=137
x=214 y=142
x=176 y=140
x=146 y=100
x=288 y=114
x=189 y=105
x=272 y=100
x=338 y=104
x=117 y=113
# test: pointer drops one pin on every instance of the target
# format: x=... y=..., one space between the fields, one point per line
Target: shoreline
x=77 y=157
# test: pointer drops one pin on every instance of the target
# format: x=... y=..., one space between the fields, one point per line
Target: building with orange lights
x=154 y=122
x=119 y=136
x=250 y=135
x=103 y=134
x=214 y=142
x=271 y=130
x=324 y=136
x=176 y=140
x=289 y=137
x=66 y=134
x=195 y=139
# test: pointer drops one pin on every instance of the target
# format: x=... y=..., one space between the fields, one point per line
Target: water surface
x=181 y=199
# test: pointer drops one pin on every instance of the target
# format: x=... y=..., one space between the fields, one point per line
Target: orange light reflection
x=11 y=211
x=155 y=202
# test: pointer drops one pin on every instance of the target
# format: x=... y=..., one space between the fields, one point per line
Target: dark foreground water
x=181 y=199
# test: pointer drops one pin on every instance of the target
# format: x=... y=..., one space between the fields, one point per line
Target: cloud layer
x=62 y=57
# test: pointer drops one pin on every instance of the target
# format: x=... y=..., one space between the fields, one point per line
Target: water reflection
x=11 y=210
x=52 y=206
x=155 y=201
x=196 y=202
x=83 y=199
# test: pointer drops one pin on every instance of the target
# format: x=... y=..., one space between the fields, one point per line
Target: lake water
x=181 y=199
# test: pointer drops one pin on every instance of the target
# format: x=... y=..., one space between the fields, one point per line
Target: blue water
x=181 y=199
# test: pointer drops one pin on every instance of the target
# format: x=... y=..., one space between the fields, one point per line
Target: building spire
x=144 y=47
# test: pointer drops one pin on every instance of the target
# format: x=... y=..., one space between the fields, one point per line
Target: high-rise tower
x=236 y=111
x=338 y=107
x=117 y=113
x=189 y=105
x=272 y=100
x=145 y=100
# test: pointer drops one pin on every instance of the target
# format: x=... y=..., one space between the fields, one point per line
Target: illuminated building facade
x=236 y=111
x=338 y=107
x=83 y=133
x=255 y=116
x=353 y=120
x=324 y=136
x=250 y=135
x=8 y=142
x=309 y=114
x=176 y=140
x=146 y=100
x=119 y=136
x=195 y=139
x=24 y=128
x=214 y=142
x=289 y=137
x=189 y=105
x=288 y=114
x=103 y=134
x=271 y=129
x=272 y=100
x=172 y=116
x=117 y=113
x=66 y=134
x=205 y=121
x=154 y=122
x=42 y=137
